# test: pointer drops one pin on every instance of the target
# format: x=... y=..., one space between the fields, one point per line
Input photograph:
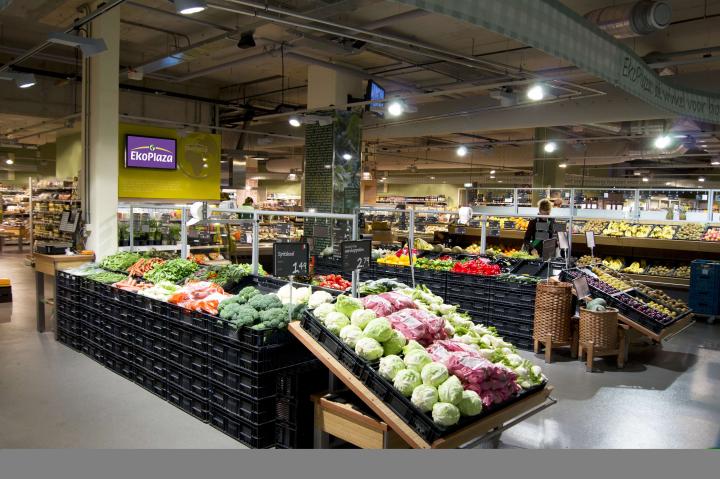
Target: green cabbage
x=412 y=345
x=379 y=329
x=424 y=397
x=470 y=404
x=336 y=321
x=395 y=344
x=350 y=335
x=368 y=349
x=451 y=390
x=406 y=381
x=445 y=414
x=434 y=374
x=346 y=305
x=390 y=365
x=417 y=359
x=361 y=317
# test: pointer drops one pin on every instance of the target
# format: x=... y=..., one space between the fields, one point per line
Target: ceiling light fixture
x=395 y=108
x=563 y=165
x=536 y=93
x=645 y=179
x=88 y=46
x=347 y=156
x=668 y=183
x=492 y=172
x=550 y=147
x=295 y=121
x=367 y=176
x=701 y=179
x=246 y=41
x=499 y=181
x=461 y=150
x=715 y=162
x=9 y=161
x=22 y=80
x=431 y=177
x=467 y=185
x=327 y=166
x=188 y=7
x=492 y=177
x=662 y=142
x=292 y=176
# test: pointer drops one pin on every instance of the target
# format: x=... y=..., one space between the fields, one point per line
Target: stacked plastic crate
x=705 y=287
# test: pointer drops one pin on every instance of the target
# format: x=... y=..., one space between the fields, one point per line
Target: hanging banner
x=555 y=29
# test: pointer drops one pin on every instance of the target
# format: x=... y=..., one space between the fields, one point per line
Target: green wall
x=282 y=187
x=450 y=191
x=69 y=155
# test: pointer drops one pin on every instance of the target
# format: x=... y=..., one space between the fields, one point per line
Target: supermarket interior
x=359 y=224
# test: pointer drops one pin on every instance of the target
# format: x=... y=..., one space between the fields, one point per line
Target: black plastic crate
x=150 y=343
x=195 y=319
x=188 y=337
x=254 y=410
x=508 y=325
x=520 y=341
x=257 y=436
x=120 y=366
x=190 y=360
x=93 y=351
x=463 y=279
x=333 y=344
x=155 y=324
x=70 y=340
x=68 y=281
x=294 y=382
x=150 y=363
x=63 y=295
x=244 y=382
x=468 y=302
x=521 y=312
x=68 y=324
x=67 y=307
x=249 y=337
x=120 y=331
x=287 y=437
x=150 y=382
x=258 y=360
x=502 y=293
x=121 y=349
x=188 y=402
x=188 y=381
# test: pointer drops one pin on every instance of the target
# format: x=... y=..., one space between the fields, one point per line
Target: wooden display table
x=19 y=233
x=468 y=435
x=47 y=264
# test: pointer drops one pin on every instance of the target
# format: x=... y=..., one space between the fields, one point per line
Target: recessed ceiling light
x=668 y=183
x=492 y=172
x=701 y=179
x=9 y=161
x=431 y=177
x=347 y=156
x=492 y=177
x=662 y=142
x=550 y=147
x=563 y=165
x=499 y=181
x=645 y=179
x=188 y=7
x=715 y=163
x=461 y=150
x=395 y=108
x=294 y=121
x=536 y=93
x=467 y=185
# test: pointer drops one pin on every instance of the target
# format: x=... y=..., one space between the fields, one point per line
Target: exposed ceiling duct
x=632 y=19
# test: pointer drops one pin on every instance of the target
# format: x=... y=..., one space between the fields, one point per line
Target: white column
x=100 y=136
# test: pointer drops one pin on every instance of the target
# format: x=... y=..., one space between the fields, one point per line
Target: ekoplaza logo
x=144 y=152
x=154 y=154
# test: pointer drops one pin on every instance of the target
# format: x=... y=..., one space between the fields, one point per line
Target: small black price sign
x=509 y=225
x=493 y=231
x=581 y=287
x=493 y=224
x=460 y=230
x=548 y=249
x=355 y=254
x=283 y=229
x=291 y=259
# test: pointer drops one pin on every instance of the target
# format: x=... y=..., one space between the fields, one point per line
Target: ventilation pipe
x=633 y=19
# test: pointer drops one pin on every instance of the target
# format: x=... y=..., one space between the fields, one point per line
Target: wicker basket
x=553 y=308
x=600 y=327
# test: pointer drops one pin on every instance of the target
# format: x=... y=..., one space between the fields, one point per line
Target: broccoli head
x=266 y=301
x=233 y=300
x=248 y=292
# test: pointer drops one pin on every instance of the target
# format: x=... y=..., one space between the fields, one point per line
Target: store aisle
x=54 y=397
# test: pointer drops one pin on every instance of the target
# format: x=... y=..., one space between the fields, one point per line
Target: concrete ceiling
x=202 y=42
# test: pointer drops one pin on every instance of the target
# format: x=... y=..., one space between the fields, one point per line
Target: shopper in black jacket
x=534 y=236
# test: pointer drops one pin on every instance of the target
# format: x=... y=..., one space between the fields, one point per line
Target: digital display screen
x=376 y=94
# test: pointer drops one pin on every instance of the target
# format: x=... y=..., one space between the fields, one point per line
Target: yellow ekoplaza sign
x=197 y=176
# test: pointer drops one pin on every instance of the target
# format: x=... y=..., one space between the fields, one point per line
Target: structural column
x=332 y=154
x=546 y=166
x=100 y=136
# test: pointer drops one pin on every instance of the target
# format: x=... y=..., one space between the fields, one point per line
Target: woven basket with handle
x=600 y=327
x=553 y=308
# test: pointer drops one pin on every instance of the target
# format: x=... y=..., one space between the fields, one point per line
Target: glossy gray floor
x=52 y=397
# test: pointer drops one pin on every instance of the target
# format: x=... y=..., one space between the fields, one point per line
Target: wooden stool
x=549 y=344
x=588 y=348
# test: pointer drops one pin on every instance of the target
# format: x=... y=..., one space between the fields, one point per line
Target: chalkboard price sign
x=355 y=254
x=291 y=259
x=460 y=230
x=283 y=229
x=581 y=287
x=509 y=225
x=548 y=249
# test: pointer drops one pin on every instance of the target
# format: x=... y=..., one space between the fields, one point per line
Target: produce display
x=636 y=267
x=596 y=305
x=690 y=232
x=174 y=270
x=444 y=363
x=422 y=245
x=664 y=232
x=587 y=260
x=473 y=249
x=203 y=296
x=143 y=265
x=615 y=282
x=434 y=228
x=682 y=272
x=659 y=270
x=162 y=290
x=378 y=286
x=613 y=263
x=518 y=223
x=596 y=226
x=712 y=234
x=250 y=308
x=443 y=263
x=652 y=293
x=629 y=230
x=478 y=266
x=518 y=278
x=332 y=281
x=106 y=277
x=131 y=284
x=120 y=261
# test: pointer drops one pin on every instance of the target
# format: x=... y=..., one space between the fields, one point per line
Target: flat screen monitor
x=150 y=152
x=376 y=95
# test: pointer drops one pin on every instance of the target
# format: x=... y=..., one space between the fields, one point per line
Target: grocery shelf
x=649 y=243
x=660 y=280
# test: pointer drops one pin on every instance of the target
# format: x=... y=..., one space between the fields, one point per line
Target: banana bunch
x=613 y=263
x=634 y=268
x=663 y=232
